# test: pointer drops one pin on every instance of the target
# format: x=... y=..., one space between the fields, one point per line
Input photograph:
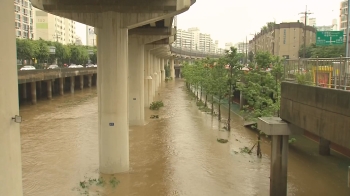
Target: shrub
x=155 y=105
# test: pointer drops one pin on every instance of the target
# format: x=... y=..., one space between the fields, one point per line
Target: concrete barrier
x=322 y=111
x=47 y=74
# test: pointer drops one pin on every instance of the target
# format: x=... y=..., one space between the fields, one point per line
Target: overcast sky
x=232 y=20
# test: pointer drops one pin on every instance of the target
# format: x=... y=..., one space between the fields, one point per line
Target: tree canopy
x=314 y=51
x=39 y=50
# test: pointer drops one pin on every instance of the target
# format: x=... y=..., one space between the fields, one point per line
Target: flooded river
x=177 y=154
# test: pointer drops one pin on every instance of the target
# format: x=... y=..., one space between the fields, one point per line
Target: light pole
x=347 y=31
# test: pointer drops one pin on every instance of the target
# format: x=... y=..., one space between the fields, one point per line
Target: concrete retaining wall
x=321 y=111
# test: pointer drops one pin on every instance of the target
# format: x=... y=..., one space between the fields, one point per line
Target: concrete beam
x=136 y=13
x=152 y=31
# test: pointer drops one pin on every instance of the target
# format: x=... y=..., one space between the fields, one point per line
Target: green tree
x=261 y=89
x=251 y=56
x=41 y=50
x=232 y=59
x=24 y=49
x=313 y=51
x=220 y=84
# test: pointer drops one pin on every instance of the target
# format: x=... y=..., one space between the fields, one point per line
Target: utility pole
x=246 y=50
x=305 y=15
x=56 y=36
x=347 y=31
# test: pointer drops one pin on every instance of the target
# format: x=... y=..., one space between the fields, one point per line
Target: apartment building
x=241 y=47
x=24 y=19
x=54 y=28
x=284 y=39
x=90 y=36
x=342 y=15
x=192 y=39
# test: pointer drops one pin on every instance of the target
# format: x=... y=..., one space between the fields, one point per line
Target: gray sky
x=232 y=21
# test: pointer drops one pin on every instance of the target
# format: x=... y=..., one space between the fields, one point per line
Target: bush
x=304 y=78
x=155 y=105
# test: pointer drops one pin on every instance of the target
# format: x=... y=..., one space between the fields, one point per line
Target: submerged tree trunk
x=201 y=92
x=258 y=152
x=212 y=104
x=197 y=91
x=219 y=116
x=206 y=98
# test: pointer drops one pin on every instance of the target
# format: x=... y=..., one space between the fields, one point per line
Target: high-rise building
x=335 y=24
x=228 y=45
x=342 y=15
x=192 y=39
x=284 y=39
x=241 y=47
x=90 y=36
x=24 y=19
x=54 y=28
x=309 y=22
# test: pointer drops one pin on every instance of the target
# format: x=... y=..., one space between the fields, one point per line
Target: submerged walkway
x=177 y=154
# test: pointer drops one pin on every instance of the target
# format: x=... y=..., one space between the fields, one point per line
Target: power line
x=306 y=13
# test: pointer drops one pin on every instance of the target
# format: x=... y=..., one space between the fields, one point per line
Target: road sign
x=326 y=38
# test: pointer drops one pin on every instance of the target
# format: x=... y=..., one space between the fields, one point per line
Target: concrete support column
x=24 y=91
x=81 y=82
x=324 y=147
x=148 y=78
x=10 y=142
x=39 y=89
x=154 y=76
x=33 y=92
x=49 y=89
x=159 y=73
x=72 y=84
x=162 y=61
x=112 y=91
x=279 y=161
x=156 y=70
x=89 y=81
x=136 y=81
x=61 y=86
x=172 y=69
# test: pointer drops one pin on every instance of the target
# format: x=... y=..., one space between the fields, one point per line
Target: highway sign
x=326 y=38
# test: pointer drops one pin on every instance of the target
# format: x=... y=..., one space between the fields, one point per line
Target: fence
x=324 y=72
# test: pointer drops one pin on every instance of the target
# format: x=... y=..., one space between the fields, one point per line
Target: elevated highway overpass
x=133 y=36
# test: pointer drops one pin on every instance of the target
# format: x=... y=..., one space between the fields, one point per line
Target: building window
x=284 y=36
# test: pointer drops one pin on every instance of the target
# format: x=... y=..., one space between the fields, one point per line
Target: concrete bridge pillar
x=81 y=82
x=10 y=142
x=113 y=94
x=39 y=89
x=324 y=147
x=24 y=91
x=49 y=89
x=156 y=68
x=148 y=79
x=33 y=92
x=136 y=81
x=162 y=62
x=172 y=69
x=61 y=86
x=154 y=76
x=72 y=84
x=89 y=81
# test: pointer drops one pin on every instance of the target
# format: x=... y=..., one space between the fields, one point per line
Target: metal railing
x=193 y=53
x=323 y=72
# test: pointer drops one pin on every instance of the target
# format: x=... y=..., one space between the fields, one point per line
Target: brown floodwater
x=177 y=154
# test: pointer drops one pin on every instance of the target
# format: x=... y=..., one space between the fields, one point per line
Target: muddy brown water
x=177 y=154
